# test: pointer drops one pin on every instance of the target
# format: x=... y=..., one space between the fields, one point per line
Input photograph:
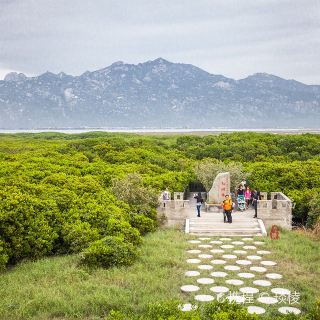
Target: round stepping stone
x=258 y=269
x=236 y=299
x=219 y=289
x=263 y=252
x=268 y=263
x=204 y=297
x=192 y=273
x=194 y=241
x=218 y=261
x=256 y=310
x=187 y=307
x=205 y=256
x=234 y=282
x=249 y=290
x=268 y=300
x=237 y=242
x=205 y=246
x=189 y=288
x=225 y=239
x=217 y=251
x=194 y=251
x=243 y=262
x=281 y=291
x=219 y=274
x=193 y=261
x=249 y=247
x=204 y=238
x=247 y=239
x=252 y=257
x=286 y=310
x=205 y=267
x=227 y=246
x=246 y=275
x=239 y=251
x=262 y=283
x=216 y=242
x=258 y=243
x=205 y=280
x=274 y=276
x=232 y=268
x=229 y=256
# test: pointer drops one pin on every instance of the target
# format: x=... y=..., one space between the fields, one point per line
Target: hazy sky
x=235 y=38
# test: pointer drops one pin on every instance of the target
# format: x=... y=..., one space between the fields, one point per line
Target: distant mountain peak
x=15 y=77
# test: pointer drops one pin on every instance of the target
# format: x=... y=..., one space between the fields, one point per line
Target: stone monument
x=220 y=187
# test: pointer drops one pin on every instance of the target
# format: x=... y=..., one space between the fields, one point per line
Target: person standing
x=255 y=198
x=227 y=209
x=199 y=200
x=247 y=195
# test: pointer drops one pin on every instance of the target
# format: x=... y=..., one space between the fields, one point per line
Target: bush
x=143 y=223
x=3 y=256
x=109 y=252
x=78 y=236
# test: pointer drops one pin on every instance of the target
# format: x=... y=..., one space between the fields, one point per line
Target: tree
x=207 y=169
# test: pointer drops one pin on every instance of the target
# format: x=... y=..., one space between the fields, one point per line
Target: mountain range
x=156 y=94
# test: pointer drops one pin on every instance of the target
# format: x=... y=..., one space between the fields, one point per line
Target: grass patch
x=56 y=288
x=298 y=258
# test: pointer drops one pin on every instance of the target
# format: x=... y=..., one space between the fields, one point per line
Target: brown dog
x=274 y=233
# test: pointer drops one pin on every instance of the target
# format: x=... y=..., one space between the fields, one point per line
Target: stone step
x=221 y=223
x=218 y=234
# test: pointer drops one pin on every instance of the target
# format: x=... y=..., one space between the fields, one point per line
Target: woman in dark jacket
x=199 y=203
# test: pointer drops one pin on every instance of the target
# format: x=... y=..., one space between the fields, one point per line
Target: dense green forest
x=96 y=193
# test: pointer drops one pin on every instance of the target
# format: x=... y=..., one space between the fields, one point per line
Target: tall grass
x=56 y=288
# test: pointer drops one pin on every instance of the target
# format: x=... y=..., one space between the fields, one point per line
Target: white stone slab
x=204 y=238
x=256 y=310
x=216 y=242
x=217 y=251
x=237 y=242
x=189 y=288
x=219 y=289
x=187 y=307
x=205 y=267
x=267 y=300
x=258 y=243
x=247 y=239
x=194 y=241
x=281 y=291
x=204 y=297
x=205 y=256
x=236 y=299
x=193 y=261
x=192 y=273
x=205 y=246
x=232 y=268
x=262 y=283
x=194 y=251
x=225 y=239
x=274 y=276
x=246 y=275
x=286 y=310
x=219 y=274
x=249 y=247
x=249 y=290
x=234 y=282
x=218 y=261
x=253 y=257
x=240 y=251
x=243 y=262
x=227 y=246
x=263 y=252
x=229 y=256
x=205 y=280
x=258 y=269
x=268 y=263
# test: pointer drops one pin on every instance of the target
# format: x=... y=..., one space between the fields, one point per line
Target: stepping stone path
x=247 y=274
